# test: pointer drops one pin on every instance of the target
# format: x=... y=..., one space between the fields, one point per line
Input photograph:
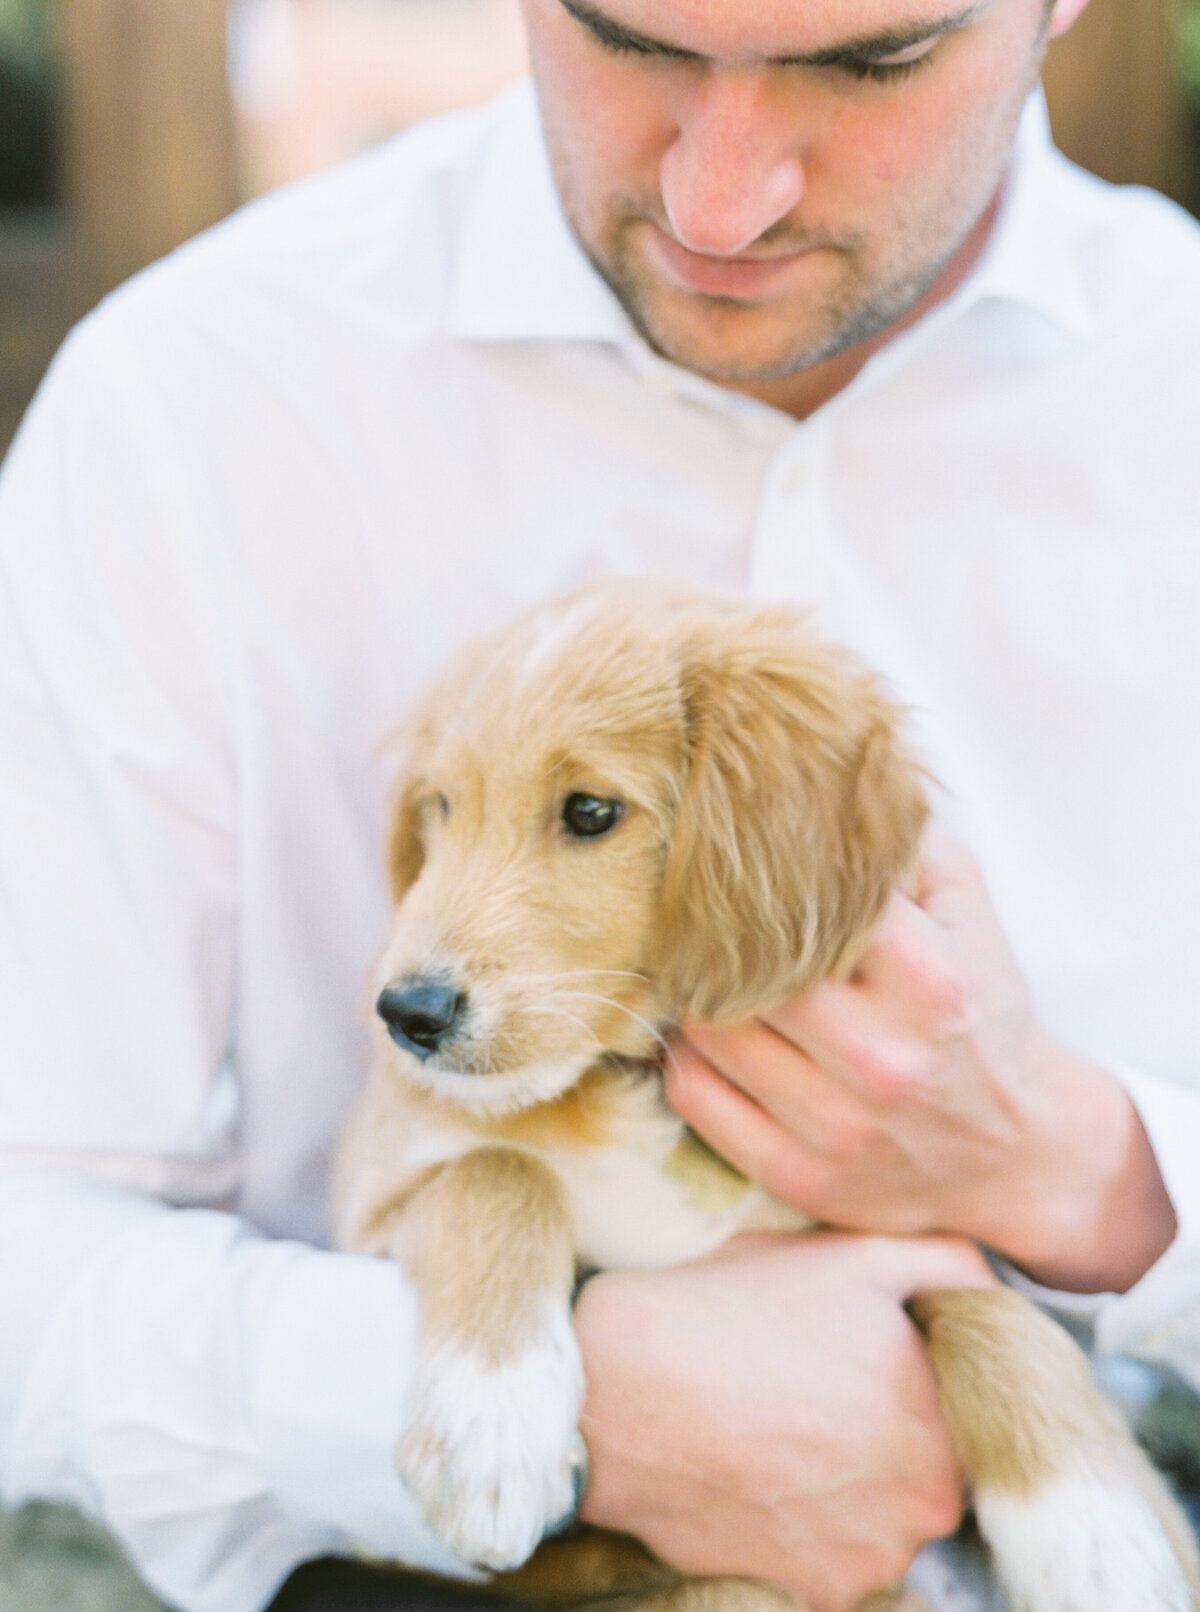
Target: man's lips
x=743 y=276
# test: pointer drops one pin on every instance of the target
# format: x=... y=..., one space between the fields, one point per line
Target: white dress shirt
x=265 y=492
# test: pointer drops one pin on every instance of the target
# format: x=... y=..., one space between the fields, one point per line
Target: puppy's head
x=635 y=805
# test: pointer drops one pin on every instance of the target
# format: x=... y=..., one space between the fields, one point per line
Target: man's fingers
x=907 y=964
x=949 y=880
x=905 y=1266
x=719 y=1111
x=765 y=1063
x=741 y=1131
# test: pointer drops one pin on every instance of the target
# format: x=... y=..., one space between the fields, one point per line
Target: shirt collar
x=1031 y=258
x=521 y=275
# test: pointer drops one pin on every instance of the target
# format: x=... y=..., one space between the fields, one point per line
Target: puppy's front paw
x=1083 y=1542
x=487 y=1449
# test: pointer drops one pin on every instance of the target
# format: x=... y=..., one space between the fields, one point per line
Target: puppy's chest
x=650 y=1193
x=630 y=1210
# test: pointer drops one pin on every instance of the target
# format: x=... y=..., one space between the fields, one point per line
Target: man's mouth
x=740 y=277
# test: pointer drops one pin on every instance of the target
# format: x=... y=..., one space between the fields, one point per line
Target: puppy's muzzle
x=422 y=1014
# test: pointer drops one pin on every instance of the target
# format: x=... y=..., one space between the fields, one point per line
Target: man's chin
x=734 y=340
x=736 y=345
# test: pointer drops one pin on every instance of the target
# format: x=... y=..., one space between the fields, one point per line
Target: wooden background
x=151 y=158
x=1114 y=99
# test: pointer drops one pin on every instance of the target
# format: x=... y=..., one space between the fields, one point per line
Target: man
x=817 y=328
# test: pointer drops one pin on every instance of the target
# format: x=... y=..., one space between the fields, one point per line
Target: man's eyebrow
x=868 y=47
x=615 y=33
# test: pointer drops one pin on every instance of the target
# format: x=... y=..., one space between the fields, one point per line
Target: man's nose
x=735 y=165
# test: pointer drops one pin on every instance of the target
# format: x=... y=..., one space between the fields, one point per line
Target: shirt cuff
x=1080 y=1313
x=1159 y=1317
x=328 y=1399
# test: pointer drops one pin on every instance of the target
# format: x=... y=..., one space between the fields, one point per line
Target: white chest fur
x=635 y=1208
x=643 y=1193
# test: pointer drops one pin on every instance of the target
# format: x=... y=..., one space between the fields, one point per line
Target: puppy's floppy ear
x=800 y=811
x=405 y=851
x=405 y=845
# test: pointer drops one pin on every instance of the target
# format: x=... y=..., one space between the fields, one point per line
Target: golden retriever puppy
x=635 y=805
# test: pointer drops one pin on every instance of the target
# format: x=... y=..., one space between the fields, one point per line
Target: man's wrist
x=591 y=1328
x=1099 y=1215
x=578 y=1456
x=580 y=1464
x=608 y=1327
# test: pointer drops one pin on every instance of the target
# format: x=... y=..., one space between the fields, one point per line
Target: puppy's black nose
x=421 y=1014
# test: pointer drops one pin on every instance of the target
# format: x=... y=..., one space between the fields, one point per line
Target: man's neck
x=805 y=392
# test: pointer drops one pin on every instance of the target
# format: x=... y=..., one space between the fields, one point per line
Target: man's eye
x=588 y=816
x=888 y=69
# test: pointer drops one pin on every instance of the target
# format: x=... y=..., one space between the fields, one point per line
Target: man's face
x=765 y=183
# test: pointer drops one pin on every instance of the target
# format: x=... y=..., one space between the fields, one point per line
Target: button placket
x=791 y=551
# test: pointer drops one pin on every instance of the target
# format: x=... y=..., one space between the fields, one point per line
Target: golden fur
x=769 y=806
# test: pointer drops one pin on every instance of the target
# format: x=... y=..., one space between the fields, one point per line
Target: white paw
x=487 y=1449
x=1081 y=1544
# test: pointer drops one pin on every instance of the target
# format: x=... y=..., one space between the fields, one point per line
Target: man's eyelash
x=883 y=72
x=857 y=67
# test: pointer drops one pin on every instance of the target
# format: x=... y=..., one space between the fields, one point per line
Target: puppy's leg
x=499 y=1383
x=1076 y=1517
x=740 y=1595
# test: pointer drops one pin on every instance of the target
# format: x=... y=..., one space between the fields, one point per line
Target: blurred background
x=127 y=125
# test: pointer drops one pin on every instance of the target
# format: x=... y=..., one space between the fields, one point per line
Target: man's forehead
x=734 y=30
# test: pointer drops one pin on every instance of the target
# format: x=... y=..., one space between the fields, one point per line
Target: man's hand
x=770 y=1412
x=923 y=1095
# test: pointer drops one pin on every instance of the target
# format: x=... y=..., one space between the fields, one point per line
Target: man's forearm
x=227 y=1404
x=1096 y=1214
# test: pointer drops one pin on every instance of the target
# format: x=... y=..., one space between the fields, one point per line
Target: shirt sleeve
x=1159 y=1318
x=228 y=1404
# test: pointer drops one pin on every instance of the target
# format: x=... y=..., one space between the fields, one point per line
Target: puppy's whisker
x=609 y=973
x=586 y=973
x=542 y=1010
x=607 y=1001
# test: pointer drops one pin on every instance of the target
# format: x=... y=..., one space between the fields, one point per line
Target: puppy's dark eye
x=587 y=816
x=433 y=808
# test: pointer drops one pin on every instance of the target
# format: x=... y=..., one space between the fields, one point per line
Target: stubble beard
x=717 y=336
